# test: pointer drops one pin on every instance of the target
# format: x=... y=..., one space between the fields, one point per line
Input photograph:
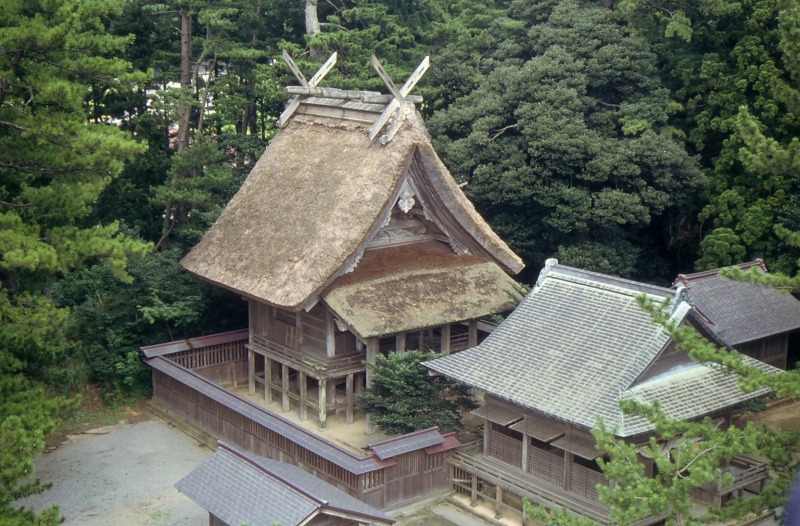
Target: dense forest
x=634 y=138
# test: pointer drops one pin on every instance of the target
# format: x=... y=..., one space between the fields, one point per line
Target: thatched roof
x=313 y=201
x=405 y=288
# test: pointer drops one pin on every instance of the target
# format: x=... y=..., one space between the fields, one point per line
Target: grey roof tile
x=741 y=312
x=242 y=488
x=573 y=348
x=392 y=447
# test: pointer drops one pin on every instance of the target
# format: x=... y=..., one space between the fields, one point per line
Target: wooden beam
x=370 y=97
x=400 y=341
x=387 y=79
x=298 y=325
x=526 y=440
x=473 y=492
x=251 y=372
x=349 y=399
x=295 y=70
x=323 y=402
x=445 y=346
x=267 y=380
x=285 y=388
x=498 y=502
x=568 y=457
x=303 y=387
x=487 y=426
x=472 y=340
x=372 y=352
x=330 y=334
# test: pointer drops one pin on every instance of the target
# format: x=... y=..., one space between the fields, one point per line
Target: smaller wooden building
x=572 y=350
x=238 y=488
x=759 y=321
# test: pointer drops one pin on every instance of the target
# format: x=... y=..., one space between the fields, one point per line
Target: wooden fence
x=189 y=393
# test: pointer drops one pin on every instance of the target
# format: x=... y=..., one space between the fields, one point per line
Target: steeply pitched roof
x=242 y=488
x=401 y=288
x=314 y=200
x=574 y=347
x=741 y=312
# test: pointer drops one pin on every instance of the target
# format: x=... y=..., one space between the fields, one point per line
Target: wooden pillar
x=285 y=388
x=473 y=493
x=267 y=380
x=567 y=470
x=400 y=341
x=422 y=341
x=498 y=502
x=487 y=426
x=303 y=384
x=359 y=388
x=446 y=338
x=372 y=352
x=323 y=404
x=251 y=372
x=526 y=441
x=330 y=334
x=473 y=334
x=298 y=324
x=349 y=398
x=331 y=393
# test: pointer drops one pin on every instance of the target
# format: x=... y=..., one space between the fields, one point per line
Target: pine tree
x=404 y=398
x=57 y=154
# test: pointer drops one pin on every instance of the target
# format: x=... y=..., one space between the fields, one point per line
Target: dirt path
x=122 y=475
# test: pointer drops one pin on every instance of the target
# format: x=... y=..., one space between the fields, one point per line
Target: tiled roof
x=572 y=349
x=392 y=447
x=242 y=488
x=690 y=391
x=741 y=312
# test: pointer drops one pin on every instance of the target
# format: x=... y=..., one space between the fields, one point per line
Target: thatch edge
x=464 y=211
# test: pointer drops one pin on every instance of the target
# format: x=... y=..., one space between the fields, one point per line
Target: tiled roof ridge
x=686 y=278
x=599 y=280
x=606 y=282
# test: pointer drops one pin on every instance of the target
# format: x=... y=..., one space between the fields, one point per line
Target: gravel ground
x=122 y=474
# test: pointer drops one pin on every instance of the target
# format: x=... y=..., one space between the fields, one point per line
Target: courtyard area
x=124 y=474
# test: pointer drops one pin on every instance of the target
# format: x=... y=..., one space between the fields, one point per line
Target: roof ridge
x=628 y=285
x=685 y=278
x=609 y=283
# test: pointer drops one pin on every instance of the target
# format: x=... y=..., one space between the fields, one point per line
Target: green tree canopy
x=565 y=144
x=404 y=398
x=58 y=152
x=733 y=67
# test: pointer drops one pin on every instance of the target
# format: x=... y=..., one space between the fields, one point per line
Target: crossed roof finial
x=318 y=76
x=398 y=107
x=399 y=104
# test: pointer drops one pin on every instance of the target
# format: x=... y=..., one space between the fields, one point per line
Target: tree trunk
x=186 y=77
x=312 y=27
